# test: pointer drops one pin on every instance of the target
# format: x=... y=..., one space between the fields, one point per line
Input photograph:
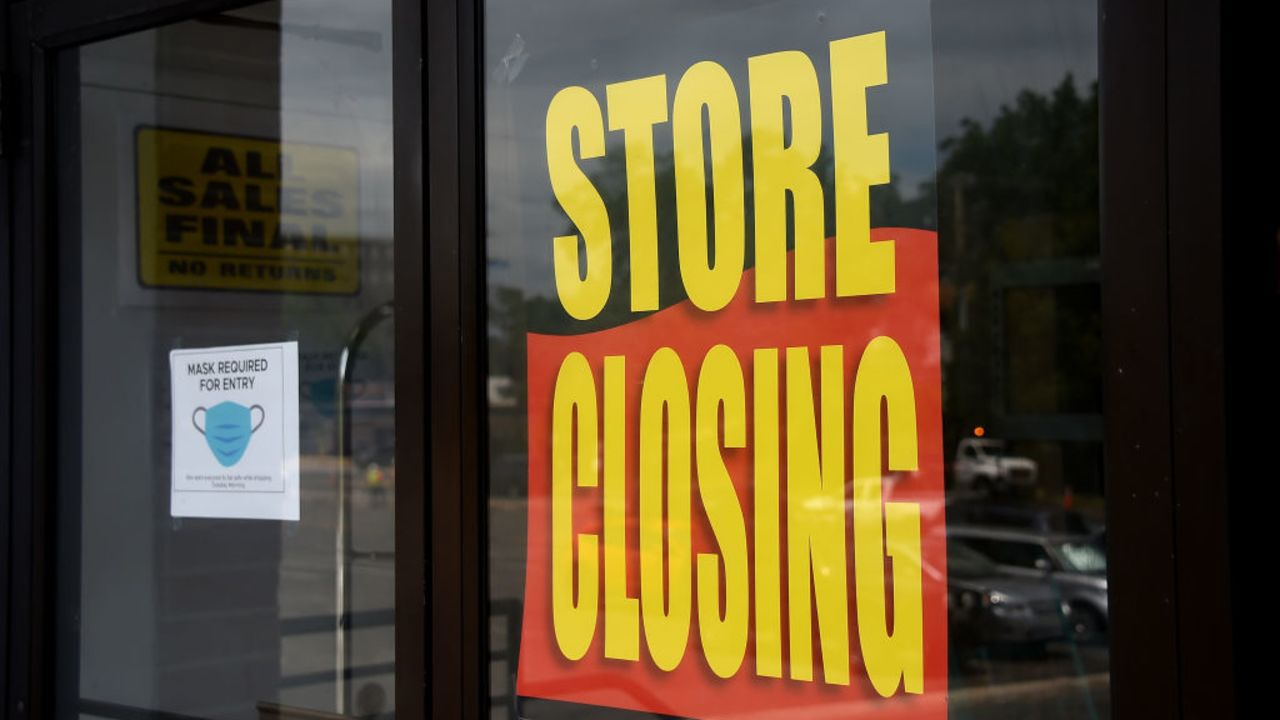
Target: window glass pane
x=794 y=354
x=227 y=477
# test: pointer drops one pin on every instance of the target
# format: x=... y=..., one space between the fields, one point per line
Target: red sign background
x=910 y=317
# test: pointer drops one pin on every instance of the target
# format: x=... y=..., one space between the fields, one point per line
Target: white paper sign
x=235 y=432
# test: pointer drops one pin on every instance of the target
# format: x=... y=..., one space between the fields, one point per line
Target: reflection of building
x=378 y=257
x=1022 y=296
x=1046 y=390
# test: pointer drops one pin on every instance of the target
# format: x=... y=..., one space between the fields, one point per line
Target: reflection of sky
x=336 y=57
x=570 y=43
x=321 y=67
x=335 y=88
x=970 y=58
x=987 y=51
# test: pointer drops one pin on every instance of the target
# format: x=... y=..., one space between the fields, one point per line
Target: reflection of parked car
x=983 y=464
x=1075 y=564
x=986 y=607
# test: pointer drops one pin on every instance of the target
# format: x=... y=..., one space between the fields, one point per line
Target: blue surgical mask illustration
x=227 y=427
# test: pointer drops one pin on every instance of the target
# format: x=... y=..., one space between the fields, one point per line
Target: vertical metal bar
x=7 y=348
x=340 y=542
x=1136 y=380
x=456 y=368
x=346 y=371
x=1198 y=363
x=413 y=638
x=29 y=642
x=66 y=346
x=473 y=337
x=449 y=638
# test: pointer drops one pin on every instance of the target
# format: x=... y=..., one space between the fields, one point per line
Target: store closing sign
x=235 y=432
x=222 y=212
x=735 y=500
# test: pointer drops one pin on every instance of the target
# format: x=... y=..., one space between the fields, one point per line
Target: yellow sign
x=222 y=212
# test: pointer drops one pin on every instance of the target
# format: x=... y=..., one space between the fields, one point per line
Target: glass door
x=226 y=483
x=795 y=360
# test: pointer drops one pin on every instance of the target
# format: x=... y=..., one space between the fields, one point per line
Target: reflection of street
x=308 y=595
x=507 y=528
x=1059 y=679
x=1067 y=681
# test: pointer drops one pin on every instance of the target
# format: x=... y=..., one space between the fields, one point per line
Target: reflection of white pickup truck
x=982 y=464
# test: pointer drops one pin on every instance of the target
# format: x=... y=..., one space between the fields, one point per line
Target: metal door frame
x=34 y=32
x=1172 y=588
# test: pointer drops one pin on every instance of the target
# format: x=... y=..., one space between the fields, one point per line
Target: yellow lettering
x=621 y=613
x=710 y=283
x=583 y=296
x=861 y=160
x=779 y=168
x=666 y=612
x=883 y=374
x=767 y=556
x=575 y=394
x=724 y=639
x=635 y=107
x=815 y=516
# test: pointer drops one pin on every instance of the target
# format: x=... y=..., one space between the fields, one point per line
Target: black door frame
x=455 y=413
x=1164 y=329
x=1165 y=373
x=34 y=33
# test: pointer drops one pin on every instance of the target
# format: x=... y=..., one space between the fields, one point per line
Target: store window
x=794 y=358
x=226 y=450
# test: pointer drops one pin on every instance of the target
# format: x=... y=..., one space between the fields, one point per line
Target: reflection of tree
x=1021 y=188
x=512 y=313
x=1028 y=182
x=1019 y=240
x=1017 y=193
x=888 y=208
